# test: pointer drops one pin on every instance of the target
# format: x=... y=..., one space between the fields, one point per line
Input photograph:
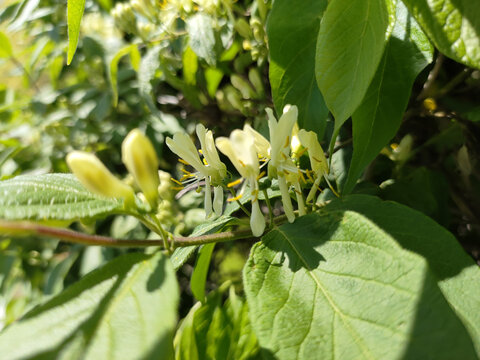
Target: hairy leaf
x=202 y=37
x=350 y=45
x=51 y=197
x=452 y=25
x=292 y=34
x=378 y=117
x=74 y=16
x=126 y=309
x=344 y=288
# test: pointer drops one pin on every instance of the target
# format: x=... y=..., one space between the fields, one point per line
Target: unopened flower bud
x=257 y=220
x=91 y=172
x=140 y=158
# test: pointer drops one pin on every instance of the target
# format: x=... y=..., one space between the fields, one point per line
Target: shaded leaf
x=200 y=272
x=313 y=295
x=292 y=34
x=378 y=117
x=126 y=309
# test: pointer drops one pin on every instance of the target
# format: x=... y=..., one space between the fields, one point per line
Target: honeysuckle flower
x=91 y=172
x=318 y=161
x=240 y=149
x=141 y=161
x=212 y=170
x=280 y=164
x=262 y=145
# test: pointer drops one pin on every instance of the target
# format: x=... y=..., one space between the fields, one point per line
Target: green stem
x=234 y=194
x=270 y=209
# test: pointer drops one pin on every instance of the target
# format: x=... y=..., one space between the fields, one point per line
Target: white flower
x=141 y=160
x=240 y=149
x=91 y=172
x=318 y=161
x=211 y=170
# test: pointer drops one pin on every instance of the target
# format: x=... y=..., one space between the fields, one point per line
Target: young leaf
x=378 y=117
x=350 y=45
x=5 y=46
x=202 y=37
x=200 y=272
x=74 y=16
x=126 y=309
x=452 y=25
x=51 y=197
x=113 y=68
x=216 y=331
x=343 y=287
x=292 y=34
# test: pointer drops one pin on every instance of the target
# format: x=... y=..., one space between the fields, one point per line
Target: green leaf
x=202 y=37
x=200 y=272
x=74 y=16
x=378 y=117
x=5 y=46
x=213 y=77
x=51 y=197
x=292 y=34
x=190 y=66
x=350 y=45
x=113 y=68
x=452 y=25
x=216 y=331
x=343 y=287
x=126 y=309
x=181 y=255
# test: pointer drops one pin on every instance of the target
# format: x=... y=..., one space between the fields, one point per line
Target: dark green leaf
x=314 y=295
x=126 y=309
x=292 y=34
x=378 y=117
x=51 y=197
x=452 y=25
x=350 y=45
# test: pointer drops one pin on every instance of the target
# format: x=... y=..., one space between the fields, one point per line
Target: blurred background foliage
x=165 y=65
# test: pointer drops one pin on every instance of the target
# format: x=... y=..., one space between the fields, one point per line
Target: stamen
x=255 y=195
x=233 y=183
x=176 y=181
x=242 y=163
x=205 y=161
x=287 y=142
x=238 y=197
x=314 y=158
x=302 y=177
x=200 y=151
x=178 y=187
x=186 y=172
x=262 y=174
x=183 y=162
x=309 y=176
x=301 y=152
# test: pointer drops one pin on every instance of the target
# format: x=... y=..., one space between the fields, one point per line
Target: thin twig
x=432 y=76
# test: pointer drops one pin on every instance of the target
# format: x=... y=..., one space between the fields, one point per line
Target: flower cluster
x=249 y=151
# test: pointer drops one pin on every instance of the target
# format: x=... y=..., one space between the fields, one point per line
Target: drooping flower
x=318 y=161
x=141 y=161
x=211 y=170
x=240 y=149
x=93 y=174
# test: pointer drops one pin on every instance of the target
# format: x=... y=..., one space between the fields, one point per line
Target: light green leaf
x=51 y=197
x=124 y=310
x=202 y=37
x=292 y=30
x=378 y=117
x=452 y=25
x=344 y=288
x=216 y=331
x=190 y=66
x=113 y=68
x=74 y=16
x=213 y=77
x=200 y=272
x=149 y=65
x=5 y=46
x=350 y=45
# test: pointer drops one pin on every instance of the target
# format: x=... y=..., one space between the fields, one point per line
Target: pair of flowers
x=244 y=148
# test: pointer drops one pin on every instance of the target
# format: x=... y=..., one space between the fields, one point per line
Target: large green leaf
x=124 y=310
x=452 y=25
x=200 y=271
x=350 y=45
x=216 y=330
x=378 y=117
x=344 y=287
x=74 y=16
x=292 y=30
x=51 y=197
